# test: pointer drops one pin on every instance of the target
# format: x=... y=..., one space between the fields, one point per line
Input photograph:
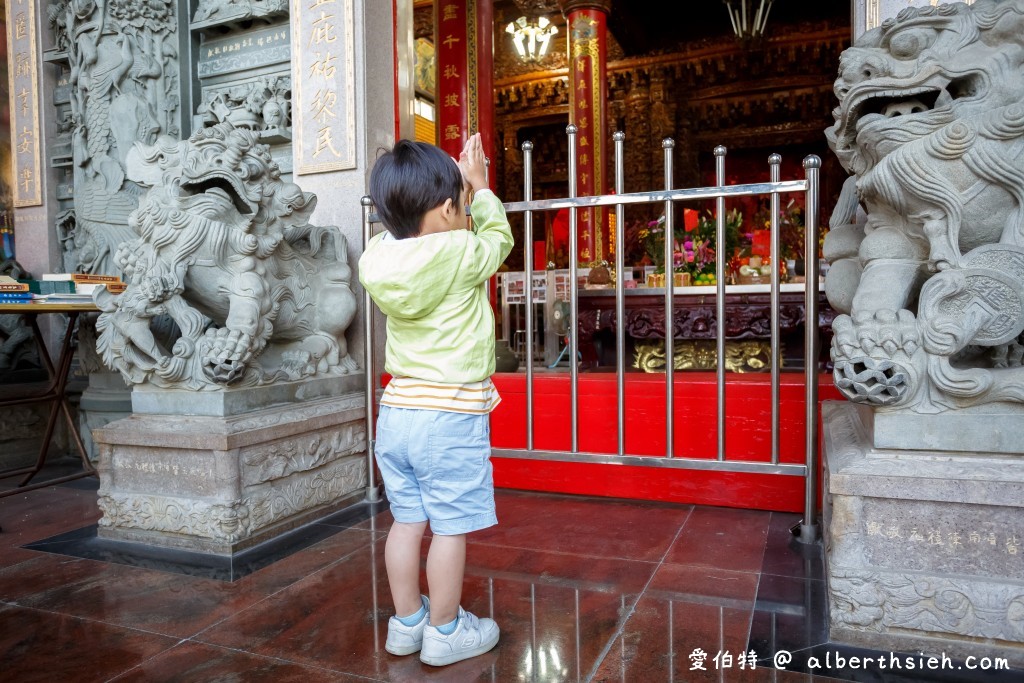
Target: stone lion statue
x=226 y=251
x=931 y=123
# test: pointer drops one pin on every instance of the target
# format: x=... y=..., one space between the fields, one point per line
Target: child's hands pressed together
x=473 y=163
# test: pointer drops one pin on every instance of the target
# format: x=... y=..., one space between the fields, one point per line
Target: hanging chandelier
x=531 y=38
x=747 y=22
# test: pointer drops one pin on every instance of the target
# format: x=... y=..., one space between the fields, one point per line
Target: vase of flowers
x=693 y=245
x=700 y=252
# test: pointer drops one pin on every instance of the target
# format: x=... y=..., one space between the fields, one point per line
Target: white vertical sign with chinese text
x=23 y=73
x=323 y=86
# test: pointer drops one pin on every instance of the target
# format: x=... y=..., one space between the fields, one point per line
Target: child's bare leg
x=446 y=563
x=402 y=557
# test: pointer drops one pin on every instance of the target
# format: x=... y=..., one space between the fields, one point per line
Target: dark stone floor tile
x=158 y=601
x=723 y=538
x=666 y=640
x=85 y=544
x=549 y=624
x=46 y=647
x=604 y=575
x=34 y=515
x=584 y=526
x=199 y=663
x=704 y=585
x=12 y=555
x=785 y=556
x=790 y=614
x=335 y=619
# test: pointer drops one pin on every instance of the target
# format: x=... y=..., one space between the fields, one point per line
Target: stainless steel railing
x=720 y=193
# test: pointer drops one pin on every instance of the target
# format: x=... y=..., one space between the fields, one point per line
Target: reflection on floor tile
x=583 y=589
x=200 y=663
x=723 y=538
x=784 y=555
x=585 y=526
x=42 y=646
x=789 y=615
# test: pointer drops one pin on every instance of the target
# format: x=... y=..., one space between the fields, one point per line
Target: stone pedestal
x=924 y=550
x=221 y=483
x=106 y=399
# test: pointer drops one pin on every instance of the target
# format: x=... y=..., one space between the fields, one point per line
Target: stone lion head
x=923 y=70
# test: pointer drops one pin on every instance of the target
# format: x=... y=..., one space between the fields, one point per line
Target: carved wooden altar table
x=748 y=317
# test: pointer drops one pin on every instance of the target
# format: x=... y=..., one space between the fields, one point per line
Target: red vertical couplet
x=456 y=82
x=588 y=49
x=465 y=62
x=464 y=74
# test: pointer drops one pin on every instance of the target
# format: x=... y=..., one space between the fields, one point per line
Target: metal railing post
x=372 y=490
x=809 y=526
x=620 y=294
x=720 y=258
x=775 y=162
x=574 y=370
x=528 y=265
x=668 y=144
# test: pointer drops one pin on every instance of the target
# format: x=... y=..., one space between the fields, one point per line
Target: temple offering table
x=748 y=324
x=53 y=392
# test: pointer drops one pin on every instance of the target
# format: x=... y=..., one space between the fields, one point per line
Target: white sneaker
x=404 y=640
x=472 y=636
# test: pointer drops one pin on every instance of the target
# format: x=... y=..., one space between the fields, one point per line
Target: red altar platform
x=748 y=436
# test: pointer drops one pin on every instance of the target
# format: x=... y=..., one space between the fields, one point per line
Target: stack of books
x=12 y=291
x=74 y=287
x=58 y=288
x=86 y=283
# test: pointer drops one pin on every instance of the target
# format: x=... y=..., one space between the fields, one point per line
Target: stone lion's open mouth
x=219 y=184
x=894 y=102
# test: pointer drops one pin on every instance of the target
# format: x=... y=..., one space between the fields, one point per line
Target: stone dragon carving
x=931 y=123
x=226 y=250
x=123 y=59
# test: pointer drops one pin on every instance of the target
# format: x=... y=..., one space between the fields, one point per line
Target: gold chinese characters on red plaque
x=23 y=79
x=588 y=33
x=323 y=86
x=457 y=77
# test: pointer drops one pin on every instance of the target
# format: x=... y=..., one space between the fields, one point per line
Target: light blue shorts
x=436 y=466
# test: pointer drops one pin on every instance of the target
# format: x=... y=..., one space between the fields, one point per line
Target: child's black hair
x=409 y=181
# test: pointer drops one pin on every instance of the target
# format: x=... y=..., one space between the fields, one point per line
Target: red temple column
x=588 y=50
x=464 y=36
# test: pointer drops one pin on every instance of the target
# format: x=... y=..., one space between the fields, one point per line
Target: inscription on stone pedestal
x=961 y=539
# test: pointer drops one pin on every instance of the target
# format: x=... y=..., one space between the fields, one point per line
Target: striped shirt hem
x=475 y=398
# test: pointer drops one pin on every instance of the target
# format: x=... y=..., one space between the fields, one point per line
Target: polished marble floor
x=584 y=589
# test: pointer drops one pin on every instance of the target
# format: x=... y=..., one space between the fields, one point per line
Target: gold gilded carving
x=740 y=356
x=472 y=68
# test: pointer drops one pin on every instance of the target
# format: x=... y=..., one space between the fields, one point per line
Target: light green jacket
x=433 y=290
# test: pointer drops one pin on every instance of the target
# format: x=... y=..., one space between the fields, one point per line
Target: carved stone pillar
x=465 y=104
x=588 y=51
x=124 y=81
